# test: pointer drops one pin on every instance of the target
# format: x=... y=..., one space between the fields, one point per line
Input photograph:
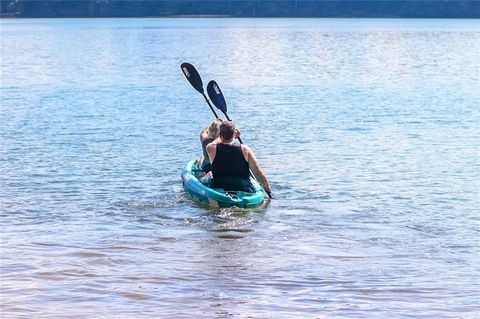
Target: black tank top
x=230 y=169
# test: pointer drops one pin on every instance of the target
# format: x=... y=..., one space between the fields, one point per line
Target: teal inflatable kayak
x=218 y=197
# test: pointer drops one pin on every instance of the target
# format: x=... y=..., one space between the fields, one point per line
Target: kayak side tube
x=217 y=197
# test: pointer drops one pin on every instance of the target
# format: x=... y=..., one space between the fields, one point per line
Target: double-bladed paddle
x=193 y=77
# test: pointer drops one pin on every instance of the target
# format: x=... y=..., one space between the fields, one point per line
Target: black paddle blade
x=192 y=76
x=216 y=96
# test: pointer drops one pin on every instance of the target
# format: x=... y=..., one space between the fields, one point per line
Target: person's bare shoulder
x=250 y=151
x=247 y=152
x=211 y=146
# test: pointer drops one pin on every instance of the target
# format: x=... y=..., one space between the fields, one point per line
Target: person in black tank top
x=231 y=163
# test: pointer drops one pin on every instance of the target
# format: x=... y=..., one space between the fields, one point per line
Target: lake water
x=367 y=129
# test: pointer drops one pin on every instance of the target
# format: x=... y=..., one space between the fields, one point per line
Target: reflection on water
x=368 y=130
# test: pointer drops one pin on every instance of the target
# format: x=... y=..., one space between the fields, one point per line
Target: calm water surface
x=367 y=129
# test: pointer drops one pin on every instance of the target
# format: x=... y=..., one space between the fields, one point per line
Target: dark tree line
x=242 y=8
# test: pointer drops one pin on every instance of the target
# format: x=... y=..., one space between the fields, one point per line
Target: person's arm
x=257 y=170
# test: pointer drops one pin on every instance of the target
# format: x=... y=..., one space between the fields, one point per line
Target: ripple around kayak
x=218 y=197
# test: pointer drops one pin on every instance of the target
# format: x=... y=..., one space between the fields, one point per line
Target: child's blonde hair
x=214 y=129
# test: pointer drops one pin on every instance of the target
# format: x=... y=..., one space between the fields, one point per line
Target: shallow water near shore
x=367 y=130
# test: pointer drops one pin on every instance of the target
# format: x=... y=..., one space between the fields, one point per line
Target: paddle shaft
x=210 y=105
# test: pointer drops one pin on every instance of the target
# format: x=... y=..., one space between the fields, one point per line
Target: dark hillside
x=242 y=8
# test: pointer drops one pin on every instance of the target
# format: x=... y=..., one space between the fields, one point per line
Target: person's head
x=227 y=130
x=214 y=128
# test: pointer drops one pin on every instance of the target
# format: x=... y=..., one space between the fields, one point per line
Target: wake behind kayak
x=217 y=197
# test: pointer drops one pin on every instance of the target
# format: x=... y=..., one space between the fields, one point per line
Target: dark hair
x=227 y=129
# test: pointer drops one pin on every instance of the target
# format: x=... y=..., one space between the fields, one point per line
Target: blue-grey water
x=367 y=129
